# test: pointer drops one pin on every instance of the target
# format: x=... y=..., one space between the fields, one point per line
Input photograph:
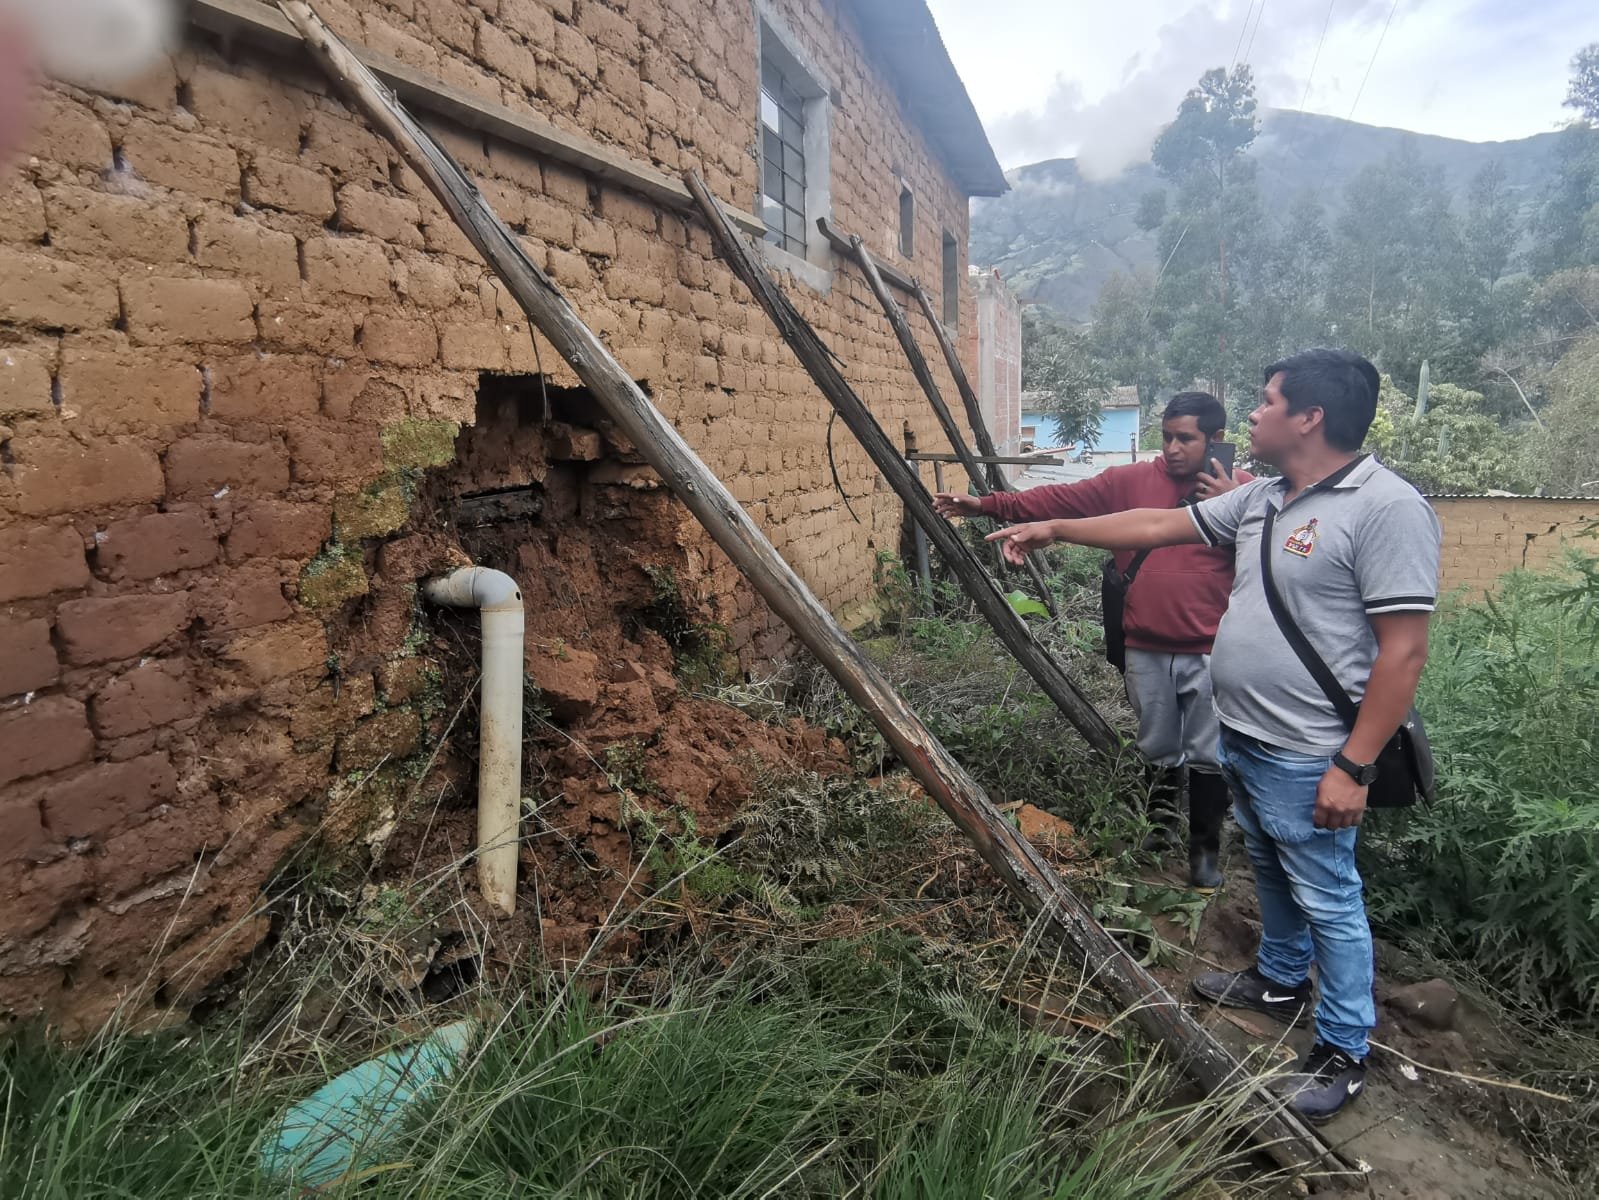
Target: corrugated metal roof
x=1501 y=496
x=904 y=38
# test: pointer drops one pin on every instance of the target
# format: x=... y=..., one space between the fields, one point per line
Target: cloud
x=1114 y=131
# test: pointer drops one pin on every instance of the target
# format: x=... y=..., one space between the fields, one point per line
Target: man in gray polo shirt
x=1354 y=554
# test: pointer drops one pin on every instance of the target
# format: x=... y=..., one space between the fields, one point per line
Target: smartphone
x=1224 y=453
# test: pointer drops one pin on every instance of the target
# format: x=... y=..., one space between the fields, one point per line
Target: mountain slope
x=1056 y=237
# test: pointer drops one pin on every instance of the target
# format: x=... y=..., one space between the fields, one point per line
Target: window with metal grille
x=952 y=281
x=782 y=159
x=907 y=220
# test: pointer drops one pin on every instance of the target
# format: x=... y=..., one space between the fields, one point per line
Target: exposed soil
x=627 y=609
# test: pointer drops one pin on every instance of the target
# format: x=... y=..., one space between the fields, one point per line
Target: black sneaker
x=1330 y=1080
x=1251 y=989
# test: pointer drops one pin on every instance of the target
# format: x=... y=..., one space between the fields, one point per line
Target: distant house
x=1118 y=430
x=995 y=345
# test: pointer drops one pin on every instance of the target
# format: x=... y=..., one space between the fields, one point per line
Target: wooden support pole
x=1010 y=855
x=946 y=419
x=974 y=410
x=958 y=556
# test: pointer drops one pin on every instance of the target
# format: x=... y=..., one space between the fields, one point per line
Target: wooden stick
x=1010 y=855
x=819 y=361
x=946 y=419
x=1478 y=1079
x=957 y=371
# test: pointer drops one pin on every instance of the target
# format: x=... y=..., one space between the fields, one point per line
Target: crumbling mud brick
x=182 y=161
x=60 y=475
x=48 y=292
x=48 y=735
x=204 y=466
x=156 y=544
x=25 y=381
x=122 y=389
x=108 y=628
x=89 y=222
x=27 y=659
x=102 y=798
x=290 y=188
x=277 y=529
x=36 y=562
x=162 y=311
x=264 y=387
x=153 y=694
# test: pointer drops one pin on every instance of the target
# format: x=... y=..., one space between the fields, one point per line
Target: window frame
x=951 y=272
x=775 y=44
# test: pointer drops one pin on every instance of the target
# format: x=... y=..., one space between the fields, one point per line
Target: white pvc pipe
x=499 y=783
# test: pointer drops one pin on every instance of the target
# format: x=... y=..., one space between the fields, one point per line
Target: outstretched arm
x=1135 y=529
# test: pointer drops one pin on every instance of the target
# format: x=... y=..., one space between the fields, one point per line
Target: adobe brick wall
x=230 y=320
x=1483 y=538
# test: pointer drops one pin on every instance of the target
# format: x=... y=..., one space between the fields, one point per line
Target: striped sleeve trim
x=1401 y=604
x=1205 y=531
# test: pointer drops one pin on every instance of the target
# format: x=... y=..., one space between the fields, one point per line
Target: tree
x=1572 y=440
x=1060 y=362
x=1151 y=210
x=1583 y=94
x=1455 y=447
x=1122 y=336
x=1217 y=211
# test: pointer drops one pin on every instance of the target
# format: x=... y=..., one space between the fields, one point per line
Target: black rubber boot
x=1208 y=801
x=1164 y=808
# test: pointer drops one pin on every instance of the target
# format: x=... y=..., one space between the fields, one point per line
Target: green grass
x=1503 y=871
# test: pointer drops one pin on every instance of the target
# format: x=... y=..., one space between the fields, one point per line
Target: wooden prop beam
x=929 y=386
x=974 y=410
x=819 y=361
x=1010 y=855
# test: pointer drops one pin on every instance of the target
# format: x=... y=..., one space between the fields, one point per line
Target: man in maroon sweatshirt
x=1174 y=603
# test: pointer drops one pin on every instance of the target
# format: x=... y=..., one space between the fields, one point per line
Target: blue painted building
x=1118 y=429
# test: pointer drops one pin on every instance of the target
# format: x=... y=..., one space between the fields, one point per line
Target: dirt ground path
x=1426 y=1136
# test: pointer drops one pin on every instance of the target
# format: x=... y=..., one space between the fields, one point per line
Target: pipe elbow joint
x=475 y=587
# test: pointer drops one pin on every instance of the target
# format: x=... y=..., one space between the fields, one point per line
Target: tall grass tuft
x=1503 y=870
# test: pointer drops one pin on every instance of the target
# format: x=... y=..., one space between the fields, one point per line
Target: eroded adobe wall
x=1487 y=536
x=236 y=336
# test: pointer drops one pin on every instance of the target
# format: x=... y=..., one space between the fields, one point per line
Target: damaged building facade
x=255 y=386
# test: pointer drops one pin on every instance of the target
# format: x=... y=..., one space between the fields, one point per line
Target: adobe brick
x=66 y=132
x=38 y=290
x=151 y=695
x=479 y=346
x=21 y=211
x=264 y=387
x=346 y=145
x=379 y=35
x=569 y=270
x=109 y=628
x=506 y=56
x=22 y=837
x=244 y=598
x=558 y=89
x=267 y=114
x=428 y=283
x=110 y=389
x=36 y=562
x=25 y=380
x=60 y=475
x=47 y=735
x=388 y=736
x=203 y=466
x=294 y=325
x=162 y=311
x=89 y=222
x=530 y=18
x=156 y=544
x=398 y=340
x=100 y=799
x=595 y=237
x=355 y=266
x=262 y=656
x=451 y=23
x=335 y=454
x=289 y=187
x=182 y=161
x=576 y=52
x=392 y=218
x=250 y=249
x=27 y=659
x=278 y=529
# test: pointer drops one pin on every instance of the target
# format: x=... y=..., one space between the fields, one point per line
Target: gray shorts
x=1176 y=719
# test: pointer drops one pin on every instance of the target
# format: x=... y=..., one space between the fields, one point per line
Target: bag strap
x=1347 y=709
x=1138 y=559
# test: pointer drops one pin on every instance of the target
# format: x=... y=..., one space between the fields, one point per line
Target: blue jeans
x=1312 y=908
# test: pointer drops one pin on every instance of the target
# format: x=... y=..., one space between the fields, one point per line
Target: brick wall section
x=1486 y=537
x=226 y=313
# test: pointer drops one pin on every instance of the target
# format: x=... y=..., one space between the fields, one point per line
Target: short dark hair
x=1340 y=383
x=1203 y=407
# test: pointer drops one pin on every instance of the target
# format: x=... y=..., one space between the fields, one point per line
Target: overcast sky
x=1097 y=78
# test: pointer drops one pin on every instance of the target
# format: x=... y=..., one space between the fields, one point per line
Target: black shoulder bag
x=1405 y=766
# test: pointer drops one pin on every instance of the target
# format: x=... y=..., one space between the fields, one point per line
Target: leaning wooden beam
x=1010 y=855
x=974 y=410
x=819 y=361
x=929 y=386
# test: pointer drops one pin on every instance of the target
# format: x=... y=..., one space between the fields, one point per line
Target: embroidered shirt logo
x=1302 y=540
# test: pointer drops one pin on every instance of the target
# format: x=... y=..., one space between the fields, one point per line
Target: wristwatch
x=1365 y=774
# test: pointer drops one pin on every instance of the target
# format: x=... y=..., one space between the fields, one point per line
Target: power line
x=1316 y=58
x=1238 y=49
x=1375 y=51
x=1250 y=50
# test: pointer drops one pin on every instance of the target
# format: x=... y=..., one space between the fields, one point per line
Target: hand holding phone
x=1223 y=453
